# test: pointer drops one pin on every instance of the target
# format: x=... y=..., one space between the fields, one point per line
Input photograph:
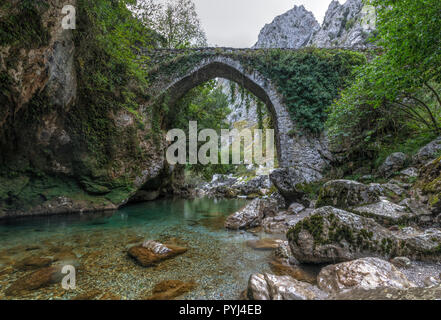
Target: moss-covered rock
x=74 y=125
x=429 y=182
x=344 y=194
x=333 y=235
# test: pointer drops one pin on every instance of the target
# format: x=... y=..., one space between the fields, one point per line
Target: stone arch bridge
x=173 y=72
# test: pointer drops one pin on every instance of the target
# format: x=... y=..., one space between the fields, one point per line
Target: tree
x=177 y=21
x=399 y=90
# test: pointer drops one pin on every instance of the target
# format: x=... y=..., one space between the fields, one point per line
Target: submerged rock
x=332 y=235
x=156 y=247
x=169 y=289
x=367 y=273
x=271 y=287
x=344 y=194
x=282 y=268
x=36 y=280
x=88 y=295
x=265 y=244
x=154 y=252
x=32 y=263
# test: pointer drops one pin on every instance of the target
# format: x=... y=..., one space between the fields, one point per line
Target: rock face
x=344 y=194
x=395 y=162
x=43 y=86
x=366 y=274
x=251 y=215
x=292 y=29
x=332 y=235
x=347 y=25
x=270 y=287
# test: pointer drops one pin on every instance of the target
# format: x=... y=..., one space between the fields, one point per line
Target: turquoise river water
x=217 y=260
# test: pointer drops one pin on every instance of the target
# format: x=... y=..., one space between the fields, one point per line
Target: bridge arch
x=227 y=68
x=176 y=71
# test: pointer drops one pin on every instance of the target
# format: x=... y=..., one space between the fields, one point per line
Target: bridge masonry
x=307 y=152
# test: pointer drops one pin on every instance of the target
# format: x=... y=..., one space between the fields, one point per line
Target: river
x=219 y=261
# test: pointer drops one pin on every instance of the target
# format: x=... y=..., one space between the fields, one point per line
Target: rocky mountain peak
x=292 y=29
x=345 y=25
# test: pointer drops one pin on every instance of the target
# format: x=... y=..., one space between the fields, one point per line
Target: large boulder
x=271 y=287
x=251 y=215
x=394 y=163
x=367 y=273
x=254 y=185
x=283 y=222
x=390 y=294
x=291 y=184
x=428 y=152
x=344 y=194
x=386 y=212
x=332 y=235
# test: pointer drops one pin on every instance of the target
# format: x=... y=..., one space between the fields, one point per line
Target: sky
x=237 y=23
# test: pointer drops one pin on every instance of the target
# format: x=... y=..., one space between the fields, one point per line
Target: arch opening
x=216 y=69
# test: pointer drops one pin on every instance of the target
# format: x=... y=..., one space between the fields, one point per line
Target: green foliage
x=208 y=105
x=397 y=95
x=309 y=80
x=410 y=32
x=23 y=25
x=175 y=20
x=409 y=145
x=109 y=74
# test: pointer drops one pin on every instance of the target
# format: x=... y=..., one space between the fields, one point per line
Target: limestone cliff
x=348 y=25
x=345 y=25
x=54 y=156
x=292 y=29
